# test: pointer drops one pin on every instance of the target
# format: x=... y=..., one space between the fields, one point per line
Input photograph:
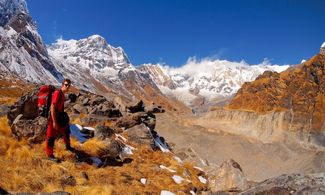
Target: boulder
x=150 y=122
x=112 y=150
x=120 y=104
x=26 y=105
x=290 y=184
x=32 y=130
x=141 y=134
x=154 y=109
x=135 y=107
x=103 y=132
x=228 y=177
x=105 y=110
x=129 y=121
x=85 y=101
x=97 y=100
x=77 y=108
x=93 y=119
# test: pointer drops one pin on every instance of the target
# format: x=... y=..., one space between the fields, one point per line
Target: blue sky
x=171 y=31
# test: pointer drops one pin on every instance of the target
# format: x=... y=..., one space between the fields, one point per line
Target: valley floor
x=259 y=161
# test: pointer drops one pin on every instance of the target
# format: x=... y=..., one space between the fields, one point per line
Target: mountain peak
x=96 y=37
x=10 y=8
x=322 y=49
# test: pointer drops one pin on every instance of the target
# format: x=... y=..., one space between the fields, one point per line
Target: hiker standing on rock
x=58 y=121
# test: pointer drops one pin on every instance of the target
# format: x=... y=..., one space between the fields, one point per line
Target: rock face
x=228 y=177
x=299 y=90
x=22 y=50
x=290 y=184
x=288 y=105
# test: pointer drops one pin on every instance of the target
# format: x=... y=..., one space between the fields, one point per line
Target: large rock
x=32 y=130
x=26 y=105
x=103 y=132
x=128 y=121
x=136 y=107
x=113 y=149
x=97 y=100
x=93 y=119
x=228 y=177
x=77 y=108
x=141 y=134
x=290 y=184
x=105 y=110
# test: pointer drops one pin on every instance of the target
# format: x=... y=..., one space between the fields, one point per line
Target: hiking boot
x=52 y=158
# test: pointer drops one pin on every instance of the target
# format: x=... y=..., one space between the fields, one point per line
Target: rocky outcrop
x=141 y=134
x=299 y=90
x=279 y=106
x=290 y=184
x=32 y=129
x=270 y=127
x=228 y=177
x=26 y=105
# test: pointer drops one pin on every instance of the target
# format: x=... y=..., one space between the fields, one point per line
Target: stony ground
x=259 y=161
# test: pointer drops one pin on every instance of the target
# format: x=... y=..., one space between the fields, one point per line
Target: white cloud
x=206 y=66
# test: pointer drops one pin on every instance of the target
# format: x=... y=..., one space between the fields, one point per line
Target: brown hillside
x=299 y=90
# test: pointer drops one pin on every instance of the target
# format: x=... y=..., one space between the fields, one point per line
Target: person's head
x=66 y=83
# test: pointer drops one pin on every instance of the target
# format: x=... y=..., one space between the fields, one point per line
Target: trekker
x=58 y=121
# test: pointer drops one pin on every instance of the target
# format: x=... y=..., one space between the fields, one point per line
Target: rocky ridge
x=280 y=106
x=21 y=48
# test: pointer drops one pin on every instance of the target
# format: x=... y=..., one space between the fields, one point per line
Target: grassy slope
x=24 y=168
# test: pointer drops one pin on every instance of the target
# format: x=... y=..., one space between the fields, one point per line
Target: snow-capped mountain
x=207 y=79
x=21 y=48
x=92 y=53
x=94 y=65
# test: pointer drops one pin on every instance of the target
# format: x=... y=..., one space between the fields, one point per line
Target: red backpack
x=44 y=98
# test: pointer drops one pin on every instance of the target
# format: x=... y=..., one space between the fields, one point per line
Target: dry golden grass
x=24 y=168
x=11 y=90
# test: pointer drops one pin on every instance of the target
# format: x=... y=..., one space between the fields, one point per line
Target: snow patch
x=202 y=180
x=166 y=192
x=143 y=181
x=323 y=45
x=177 y=179
x=192 y=192
x=166 y=168
x=178 y=159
